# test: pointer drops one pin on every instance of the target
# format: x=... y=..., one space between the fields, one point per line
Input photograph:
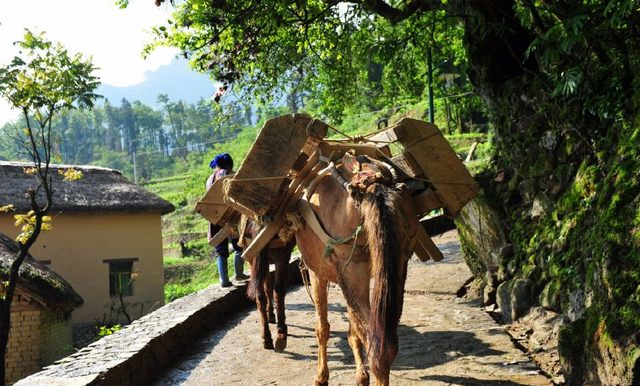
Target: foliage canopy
x=341 y=56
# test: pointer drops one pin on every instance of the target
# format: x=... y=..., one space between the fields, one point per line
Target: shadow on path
x=443 y=346
x=468 y=381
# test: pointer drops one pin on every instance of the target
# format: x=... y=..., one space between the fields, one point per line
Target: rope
x=259 y=178
x=353 y=248
x=341 y=133
x=304 y=272
x=442 y=182
x=329 y=248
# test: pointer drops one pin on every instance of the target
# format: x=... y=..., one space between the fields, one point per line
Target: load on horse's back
x=354 y=210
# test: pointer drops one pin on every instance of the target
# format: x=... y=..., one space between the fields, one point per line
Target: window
x=120 y=277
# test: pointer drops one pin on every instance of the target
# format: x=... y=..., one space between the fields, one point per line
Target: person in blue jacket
x=222 y=165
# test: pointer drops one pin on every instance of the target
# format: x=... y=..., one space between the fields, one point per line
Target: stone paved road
x=444 y=340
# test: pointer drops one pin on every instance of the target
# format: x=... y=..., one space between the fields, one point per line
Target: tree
x=42 y=81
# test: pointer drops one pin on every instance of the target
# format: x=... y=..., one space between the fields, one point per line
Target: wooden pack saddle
x=291 y=150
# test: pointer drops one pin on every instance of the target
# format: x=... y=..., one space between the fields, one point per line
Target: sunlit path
x=444 y=340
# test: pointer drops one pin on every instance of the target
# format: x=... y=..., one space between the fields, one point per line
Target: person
x=222 y=165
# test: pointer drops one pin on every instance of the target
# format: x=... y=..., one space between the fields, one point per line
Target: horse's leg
x=354 y=283
x=268 y=288
x=319 y=290
x=257 y=290
x=282 y=276
x=358 y=347
x=262 y=307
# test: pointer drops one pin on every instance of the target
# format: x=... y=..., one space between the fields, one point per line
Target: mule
x=378 y=221
x=262 y=286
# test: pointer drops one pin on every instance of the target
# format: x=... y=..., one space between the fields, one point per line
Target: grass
x=204 y=273
x=171 y=261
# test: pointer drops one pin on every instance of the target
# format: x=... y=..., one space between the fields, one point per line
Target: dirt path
x=444 y=340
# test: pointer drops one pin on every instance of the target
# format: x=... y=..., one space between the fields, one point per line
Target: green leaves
x=342 y=56
x=45 y=78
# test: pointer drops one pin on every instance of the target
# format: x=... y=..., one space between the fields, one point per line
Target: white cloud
x=113 y=37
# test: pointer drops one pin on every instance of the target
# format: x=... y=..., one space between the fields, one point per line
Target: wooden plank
x=311 y=220
x=212 y=205
x=337 y=149
x=421 y=253
x=262 y=239
x=221 y=235
x=390 y=135
x=256 y=185
x=214 y=213
x=426 y=201
x=453 y=183
x=408 y=165
x=471 y=151
x=423 y=238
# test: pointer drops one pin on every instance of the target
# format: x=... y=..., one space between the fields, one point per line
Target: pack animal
x=262 y=286
x=373 y=225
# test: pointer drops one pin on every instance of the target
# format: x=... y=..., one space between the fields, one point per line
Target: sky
x=113 y=37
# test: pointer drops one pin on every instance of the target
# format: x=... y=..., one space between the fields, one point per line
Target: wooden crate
x=440 y=165
x=264 y=176
x=212 y=205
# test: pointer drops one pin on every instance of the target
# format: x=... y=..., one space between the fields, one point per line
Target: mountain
x=175 y=79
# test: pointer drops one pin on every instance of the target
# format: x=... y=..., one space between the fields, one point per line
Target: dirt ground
x=444 y=340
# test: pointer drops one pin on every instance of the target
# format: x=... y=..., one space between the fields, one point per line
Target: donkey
x=261 y=288
x=376 y=215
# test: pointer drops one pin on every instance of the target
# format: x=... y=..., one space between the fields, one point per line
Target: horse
x=370 y=219
x=261 y=288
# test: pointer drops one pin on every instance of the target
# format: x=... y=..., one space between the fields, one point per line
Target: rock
x=503 y=299
x=514 y=299
x=489 y=290
x=482 y=236
x=615 y=363
x=520 y=298
x=548 y=140
x=576 y=305
x=506 y=251
x=503 y=273
x=538 y=333
x=537 y=210
x=549 y=298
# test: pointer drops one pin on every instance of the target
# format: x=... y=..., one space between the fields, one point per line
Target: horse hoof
x=268 y=344
x=281 y=342
x=318 y=383
x=362 y=379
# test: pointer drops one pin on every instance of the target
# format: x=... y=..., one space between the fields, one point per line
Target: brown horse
x=261 y=288
x=378 y=221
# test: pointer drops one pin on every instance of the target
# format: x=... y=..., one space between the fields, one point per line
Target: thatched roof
x=100 y=190
x=49 y=288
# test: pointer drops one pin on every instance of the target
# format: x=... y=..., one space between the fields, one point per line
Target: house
x=40 y=314
x=106 y=239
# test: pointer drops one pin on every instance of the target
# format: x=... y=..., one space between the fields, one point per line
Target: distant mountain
x=176 y=80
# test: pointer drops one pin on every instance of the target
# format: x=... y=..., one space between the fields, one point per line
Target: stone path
x=444 y=340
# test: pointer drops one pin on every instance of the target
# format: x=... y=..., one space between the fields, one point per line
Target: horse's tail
x=259 y=272
x=381 y=210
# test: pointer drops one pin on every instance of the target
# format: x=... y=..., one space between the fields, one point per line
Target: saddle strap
x=310 y=218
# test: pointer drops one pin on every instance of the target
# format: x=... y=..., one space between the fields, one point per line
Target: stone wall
x=135 y=354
